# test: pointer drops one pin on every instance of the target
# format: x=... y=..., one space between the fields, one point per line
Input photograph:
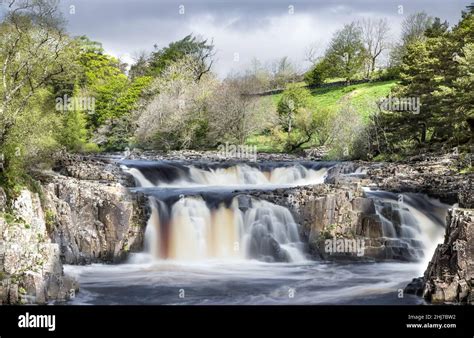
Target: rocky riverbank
x=450 y=274
x=85 y=213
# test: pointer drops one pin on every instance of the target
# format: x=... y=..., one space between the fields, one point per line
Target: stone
x=363 y=205
x=27 y=257
x=415 y=287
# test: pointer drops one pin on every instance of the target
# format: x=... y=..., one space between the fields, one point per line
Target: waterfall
x=168 y=175
x=191 y=230
x=412 y=222
x=196 y=216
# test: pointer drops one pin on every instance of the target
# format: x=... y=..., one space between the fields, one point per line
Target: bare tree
x=203 y=53
x=375 y=36
x=169 y=119
x=414 y=26
x=283 y=71
x=234 y=116
x=413 y=29
x=314 y=52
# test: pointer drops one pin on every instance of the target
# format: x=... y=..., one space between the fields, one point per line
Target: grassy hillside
x=361 y=97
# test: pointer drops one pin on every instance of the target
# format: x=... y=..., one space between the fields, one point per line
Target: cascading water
x=205 y=235
x=414 y=223
x=164 y=174
x=191 y=230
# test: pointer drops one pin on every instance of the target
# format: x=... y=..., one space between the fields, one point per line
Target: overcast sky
x=241 y=30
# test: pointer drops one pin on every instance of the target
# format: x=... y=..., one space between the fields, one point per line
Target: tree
x=283 y=72
x=140 y=67
x=346 y=53
x=233 y=115
x=33 y=51
x=201 y=51
x=292 y=100
x=176 y=116
x=413 y=30
x=374 y=35
x=311 y=127
x=436 y=70
x=318 y=73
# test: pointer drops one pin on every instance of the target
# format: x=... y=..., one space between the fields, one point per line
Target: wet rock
x=450 y=273
x=415 y=287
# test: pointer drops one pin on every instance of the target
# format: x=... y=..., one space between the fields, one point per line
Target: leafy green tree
x=34 y=51
x=292 y=100
x=119 y=129
x=318 y=73
x=437 y=70
x=103 y=80
x=200 y=50
x=346 y=53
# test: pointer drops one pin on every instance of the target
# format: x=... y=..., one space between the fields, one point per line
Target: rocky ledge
x=437 y=176
x=450 y=274
x=93 y=222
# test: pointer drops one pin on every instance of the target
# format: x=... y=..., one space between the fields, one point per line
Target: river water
x=203 y=247
x=244 y=283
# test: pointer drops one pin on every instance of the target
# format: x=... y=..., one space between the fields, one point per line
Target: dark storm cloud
x=260 y=28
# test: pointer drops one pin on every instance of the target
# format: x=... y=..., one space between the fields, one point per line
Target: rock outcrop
x=449 y=277
x=91 y=212
x=343 y=212
x=93 y=222
x=30 y=269
x=86 y=214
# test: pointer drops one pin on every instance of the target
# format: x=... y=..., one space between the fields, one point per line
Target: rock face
x=30 y=268
x=342 y=212
x=93 y=222
x=450 y=274
x=86 y=214
x=3 y=200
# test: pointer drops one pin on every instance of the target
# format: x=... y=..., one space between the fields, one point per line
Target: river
x=204 y=246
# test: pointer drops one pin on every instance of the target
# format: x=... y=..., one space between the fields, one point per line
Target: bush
x=317 y=75
x=387 y=74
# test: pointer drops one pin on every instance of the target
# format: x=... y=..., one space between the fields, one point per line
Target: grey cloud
x=253 y=28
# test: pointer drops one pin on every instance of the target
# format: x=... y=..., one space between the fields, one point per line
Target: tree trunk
x=423 y=132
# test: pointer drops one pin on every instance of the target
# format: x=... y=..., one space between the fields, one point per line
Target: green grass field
x=360 y=96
